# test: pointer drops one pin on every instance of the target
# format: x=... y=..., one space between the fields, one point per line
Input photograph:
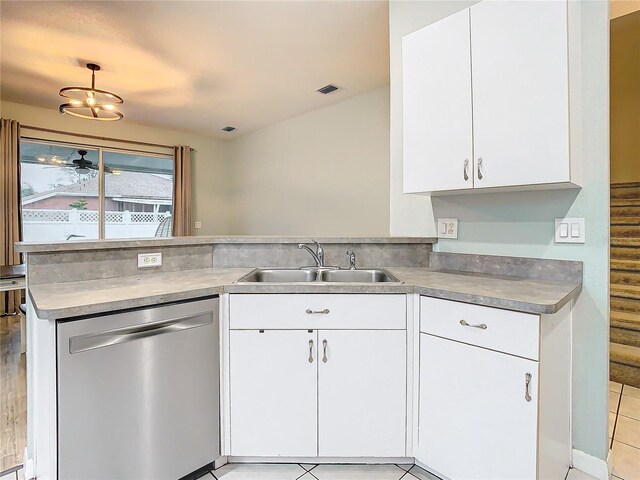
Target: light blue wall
x=522 y=224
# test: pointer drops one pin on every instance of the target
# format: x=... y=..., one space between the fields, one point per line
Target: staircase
x=624 y=353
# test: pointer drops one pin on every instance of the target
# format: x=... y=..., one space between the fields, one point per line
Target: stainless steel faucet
x=318 y=255
x=352 y=259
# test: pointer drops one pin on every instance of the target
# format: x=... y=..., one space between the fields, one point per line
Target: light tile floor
x=624 y=438
x=624 y=430
x=333 y=472
x=293 y=471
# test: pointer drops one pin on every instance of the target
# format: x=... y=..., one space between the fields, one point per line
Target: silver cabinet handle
x=324 y=351
x=313 y=312
x=310 y=351
x=479 y=168
x=466 y=169
x=481 y=326
x=527 y=385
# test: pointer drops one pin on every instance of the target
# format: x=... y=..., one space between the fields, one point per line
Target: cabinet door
x=475 y=421
x=520 y=92
x=436 y=106
x=362 y=393
x=273 y=393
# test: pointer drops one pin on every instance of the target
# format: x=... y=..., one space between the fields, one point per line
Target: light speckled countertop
x=62 y=300
x=117 y=243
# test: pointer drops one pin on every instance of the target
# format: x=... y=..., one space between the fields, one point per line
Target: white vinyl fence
x=51 y=225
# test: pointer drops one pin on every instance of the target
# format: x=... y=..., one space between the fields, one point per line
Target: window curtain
x=10 y=203
x=182 y=191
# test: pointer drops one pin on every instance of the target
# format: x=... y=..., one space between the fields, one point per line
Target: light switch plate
x=197 y=225
x=146 y=260
x=448 y=228
x=570 y=230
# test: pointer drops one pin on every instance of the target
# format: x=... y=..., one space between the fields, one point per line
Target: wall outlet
x=146 y=260
x=448 y=228
x=570 y=230
x=197 y=225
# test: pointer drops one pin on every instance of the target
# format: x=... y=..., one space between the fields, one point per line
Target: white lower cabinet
x=494 y=394
x=362 y=393
x=477 y=411
x=274 y=393
x=305 y=391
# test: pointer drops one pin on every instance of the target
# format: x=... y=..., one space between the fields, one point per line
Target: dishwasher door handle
x=91 y=341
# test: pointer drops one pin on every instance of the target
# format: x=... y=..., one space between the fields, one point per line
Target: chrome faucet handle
x=319 y=253
x=352 y=259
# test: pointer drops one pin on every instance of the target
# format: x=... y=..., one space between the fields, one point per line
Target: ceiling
x=196 y=66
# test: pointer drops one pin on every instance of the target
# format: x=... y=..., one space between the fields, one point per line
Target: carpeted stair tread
x=625 y=190
x=626 y=230
x=626 y=264
x=626 y=220
x=626 y=320
x=624 y=202
x=624 y=354
x=625 y=291
x=626 y=242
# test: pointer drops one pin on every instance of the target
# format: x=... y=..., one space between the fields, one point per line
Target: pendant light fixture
x=91 y=103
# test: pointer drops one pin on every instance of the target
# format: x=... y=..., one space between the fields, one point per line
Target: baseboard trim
x=28 y=465
x=594 y=466
x=320 y=460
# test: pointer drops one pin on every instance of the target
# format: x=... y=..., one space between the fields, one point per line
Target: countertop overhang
x=88 y=297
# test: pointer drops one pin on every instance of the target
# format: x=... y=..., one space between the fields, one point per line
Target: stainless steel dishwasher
x=138 y=393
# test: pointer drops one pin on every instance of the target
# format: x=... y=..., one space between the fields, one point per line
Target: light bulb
x=75 y=103
x=108 y=106
x=91 y=101
x=42 y=159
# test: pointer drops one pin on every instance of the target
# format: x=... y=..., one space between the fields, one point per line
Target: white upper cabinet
x=436 y=71
x=495 y=83
x=520 y=92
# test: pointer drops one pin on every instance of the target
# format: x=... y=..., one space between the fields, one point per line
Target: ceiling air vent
x=327 y=89
x=228 y=128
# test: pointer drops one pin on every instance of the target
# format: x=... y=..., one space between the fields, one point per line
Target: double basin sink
x=306 y=275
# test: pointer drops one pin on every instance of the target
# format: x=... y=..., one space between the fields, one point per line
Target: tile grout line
x=408 y=475
x=615 y=422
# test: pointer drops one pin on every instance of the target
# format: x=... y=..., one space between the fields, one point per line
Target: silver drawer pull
x=480 y=168
x=466 y=169
x=527 y=385
x=324 y=351
x=313 y=312
x=310 y=351
x=481 y=326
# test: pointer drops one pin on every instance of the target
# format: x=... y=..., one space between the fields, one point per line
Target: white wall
x=625 y=98
x=522 y=224
x=322 y=173
x=209 y=165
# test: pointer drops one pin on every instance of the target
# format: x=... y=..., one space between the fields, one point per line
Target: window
x=131 y=198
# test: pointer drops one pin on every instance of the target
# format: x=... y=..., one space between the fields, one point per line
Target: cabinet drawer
x=315 y=311
x=502 y=330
